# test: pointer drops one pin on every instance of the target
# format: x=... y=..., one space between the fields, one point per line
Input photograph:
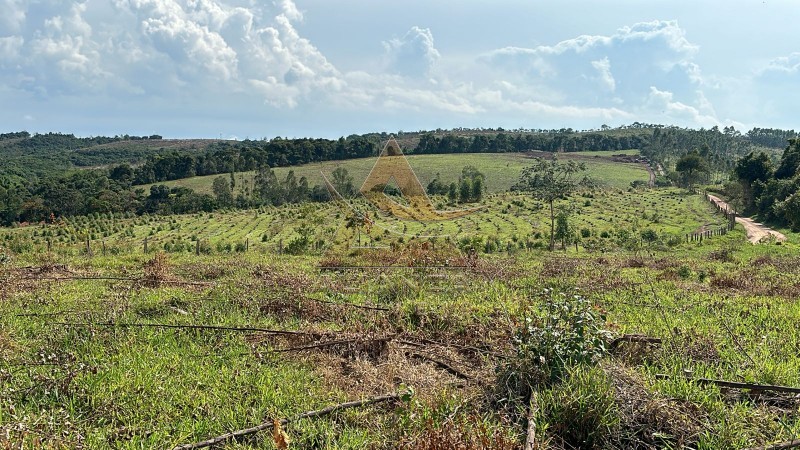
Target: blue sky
x=253 y=69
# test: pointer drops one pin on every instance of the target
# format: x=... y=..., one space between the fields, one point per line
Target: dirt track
x=756 y=232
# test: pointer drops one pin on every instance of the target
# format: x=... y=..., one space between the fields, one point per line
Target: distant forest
x=54 y=174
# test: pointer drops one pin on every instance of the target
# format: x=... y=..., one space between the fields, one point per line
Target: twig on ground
x=443 y=365
x=191 y=327
x=737 y=385
x=634 y=338
x=306 y=415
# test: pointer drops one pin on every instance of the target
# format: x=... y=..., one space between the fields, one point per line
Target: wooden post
x=280 y=246
x=145 y=245
x=104 y=247
x=247 y=245
x=197 y=247
x=49 y=246
x=88 y=247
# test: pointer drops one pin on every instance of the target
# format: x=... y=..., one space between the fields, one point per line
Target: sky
x=320 y=68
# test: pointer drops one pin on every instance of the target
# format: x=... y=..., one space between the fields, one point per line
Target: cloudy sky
x=253 y=69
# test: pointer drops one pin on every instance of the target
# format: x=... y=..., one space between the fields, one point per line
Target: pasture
x=501 y=169
x=125 y=349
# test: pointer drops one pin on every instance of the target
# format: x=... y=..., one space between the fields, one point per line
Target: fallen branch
x=456 y=346
x=306 y=415
x=779 y=446
x=191 y=327
x=146 y=280
x=442 y=365
x=634 y=338
x=56 y=313
x=329 y=344
x=737 y=385
x=530 y=440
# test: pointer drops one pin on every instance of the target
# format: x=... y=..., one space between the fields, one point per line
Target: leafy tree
x=564 y=231
x=343 y=182
x=465 y=190
x=790 y=210
x=790 y=161
x=753 y=167
x=551 y=180
x=477 y=189
x=222 y=192
x=436 y=187
x=690 y=167
x=452 y=192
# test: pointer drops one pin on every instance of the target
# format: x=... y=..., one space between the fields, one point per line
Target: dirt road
x=756 y=232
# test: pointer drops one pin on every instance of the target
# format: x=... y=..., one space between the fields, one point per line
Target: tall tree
x=690 y=167
x=551 y=180
x=753 y=167
x=343 y=182
x=222 y=192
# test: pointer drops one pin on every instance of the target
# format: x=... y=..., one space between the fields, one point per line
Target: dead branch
x=634 y=338
x=190 y=326
x=442 y=365
x=737 y=385
x=55 y=313
x=530 y=440
x=306 y=415
x=467 y=348
x=147 y=280
x=329 y=344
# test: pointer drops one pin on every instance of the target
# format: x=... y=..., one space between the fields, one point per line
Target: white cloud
x=623 y=64
x=9 y=49
x=253 y=59
x=13 y=16
x=603 y=67
x=672 y=111
x=414 y=54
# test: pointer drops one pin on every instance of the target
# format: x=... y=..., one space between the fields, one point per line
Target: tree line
x=770 y=190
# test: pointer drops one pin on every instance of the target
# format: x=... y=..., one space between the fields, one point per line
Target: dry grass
x=648 y=420
x=460 y=433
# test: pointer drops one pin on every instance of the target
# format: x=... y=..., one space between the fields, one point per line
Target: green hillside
x=501 y=170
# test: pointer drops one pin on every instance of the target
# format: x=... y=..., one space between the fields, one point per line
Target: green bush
x=566 y=331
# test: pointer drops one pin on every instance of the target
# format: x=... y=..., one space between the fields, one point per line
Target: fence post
x=145 y=245
x=247 y=245
x=197 y=247
x=49 y=246
x=88 y=247
x=104 y=247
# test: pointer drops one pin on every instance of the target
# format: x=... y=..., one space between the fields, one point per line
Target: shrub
x=567 y=332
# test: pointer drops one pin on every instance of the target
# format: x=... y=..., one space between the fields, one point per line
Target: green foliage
x=551 y=180
x=691 y=167
x=567 y=331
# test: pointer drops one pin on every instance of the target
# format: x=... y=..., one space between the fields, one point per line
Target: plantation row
x=597 y=221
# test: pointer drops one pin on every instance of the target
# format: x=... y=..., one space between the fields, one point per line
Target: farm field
x=156 y=350
x=501 y=169
x=509 y=222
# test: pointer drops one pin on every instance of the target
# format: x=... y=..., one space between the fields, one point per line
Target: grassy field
x=502 y=169
x=134 y=350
